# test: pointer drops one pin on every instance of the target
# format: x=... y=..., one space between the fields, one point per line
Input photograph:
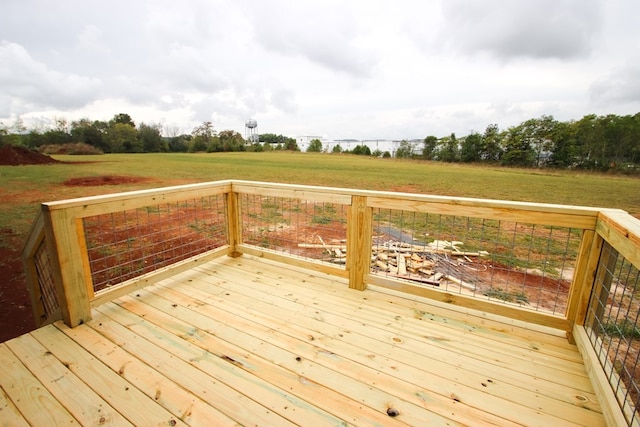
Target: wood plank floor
x=246 y=341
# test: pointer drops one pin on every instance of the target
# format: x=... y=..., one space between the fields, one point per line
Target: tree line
x=594 y=142
x=122 y=135
x=602 y=143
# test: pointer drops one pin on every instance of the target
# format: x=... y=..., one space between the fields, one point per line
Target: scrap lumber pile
x=430 y=263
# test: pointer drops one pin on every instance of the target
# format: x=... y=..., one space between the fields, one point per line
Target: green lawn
x=22 y=188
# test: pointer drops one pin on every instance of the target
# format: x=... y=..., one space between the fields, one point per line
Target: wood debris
x=431 y=263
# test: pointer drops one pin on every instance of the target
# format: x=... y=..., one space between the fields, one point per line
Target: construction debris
x=430 y=263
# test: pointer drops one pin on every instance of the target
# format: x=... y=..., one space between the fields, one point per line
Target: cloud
x=5 y=106
x=37 y=85
x=620 y=86
x=561 y=29
x=369 y=69
x=324 y=32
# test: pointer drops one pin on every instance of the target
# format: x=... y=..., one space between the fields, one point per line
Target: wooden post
x=583 y=280
x=36 y=237
x=233 y=224
x=358 y=242
x=69 y=264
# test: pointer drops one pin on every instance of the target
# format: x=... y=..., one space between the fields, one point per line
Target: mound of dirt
x=14 y=156
x=89 y=181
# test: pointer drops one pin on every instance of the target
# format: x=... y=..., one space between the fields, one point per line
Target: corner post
x=358 y=242
x=583 y=279
x=69 y=262
x=233 y=224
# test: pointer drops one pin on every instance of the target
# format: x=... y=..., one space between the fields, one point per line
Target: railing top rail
x=36 y=234
x=527 y=212
x=462 y=201
x=240 y=184
x=622 y=231
x=87 y=206
x=541 y=213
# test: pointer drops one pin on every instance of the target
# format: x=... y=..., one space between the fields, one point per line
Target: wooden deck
x=251 y=342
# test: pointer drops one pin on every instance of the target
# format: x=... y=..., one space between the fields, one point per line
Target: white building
x=380 y=145
x=304 y=141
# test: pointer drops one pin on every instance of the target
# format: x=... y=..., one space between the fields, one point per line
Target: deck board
x=253 y=342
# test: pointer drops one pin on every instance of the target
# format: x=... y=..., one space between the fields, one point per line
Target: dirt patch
x=16 y=316
x=15 y=156
x=92 y=181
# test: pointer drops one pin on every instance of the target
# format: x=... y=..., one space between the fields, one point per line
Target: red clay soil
x=90 y=181
x=13 y=156
x=16 y=317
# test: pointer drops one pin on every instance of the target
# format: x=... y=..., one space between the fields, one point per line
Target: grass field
x=23 y=188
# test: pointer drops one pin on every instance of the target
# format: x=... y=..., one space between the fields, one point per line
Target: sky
x=337 y=69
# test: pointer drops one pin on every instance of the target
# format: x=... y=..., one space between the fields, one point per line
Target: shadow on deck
x=255 y=342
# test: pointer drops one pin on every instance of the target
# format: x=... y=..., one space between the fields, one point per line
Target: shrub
x=78 y=148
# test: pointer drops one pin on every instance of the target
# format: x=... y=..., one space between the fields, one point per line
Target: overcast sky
x=339 y=69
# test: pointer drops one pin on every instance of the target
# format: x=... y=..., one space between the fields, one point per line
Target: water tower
x=251 y=131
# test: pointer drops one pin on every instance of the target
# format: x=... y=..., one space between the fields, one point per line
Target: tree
x=215 y=146
x=16 y=134
x=18 y=126
x=429 y=147
x=197 y=145
x=491 y=149
x=256 y=147
x=471 y=148
x=405 y=150
x=634 y=149
x=123 y=138
x=336 y=149
x=3 y=133
x=150 y=138
x=179 y=143
x=124 y=119
x=315 y=146
x=291 y=144
x=362 y=150
x=231 y=141
x=563 y=149
x=518 y=150
x=590 y=143
x=449 y=151
x=54 y=136
x=281 y=142
x=271 y=138
x=538 y=133
x=91 y=133
x=202 y=138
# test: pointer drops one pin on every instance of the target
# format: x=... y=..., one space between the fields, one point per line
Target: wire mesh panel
x=45 y=280
x=314 y=230
x=527 y=265
x=126 y=244
x=613 y=327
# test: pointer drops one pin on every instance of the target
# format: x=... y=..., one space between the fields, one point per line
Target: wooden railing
x=72 y=238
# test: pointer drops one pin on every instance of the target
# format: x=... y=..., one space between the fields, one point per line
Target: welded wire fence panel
x=301 y=228
x=46 y=284
x=613 y=327
x=526 y=265
x=126 y=244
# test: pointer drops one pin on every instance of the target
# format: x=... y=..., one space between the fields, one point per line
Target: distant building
x=348 y=144
x=381 y=145
x=304 y=141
